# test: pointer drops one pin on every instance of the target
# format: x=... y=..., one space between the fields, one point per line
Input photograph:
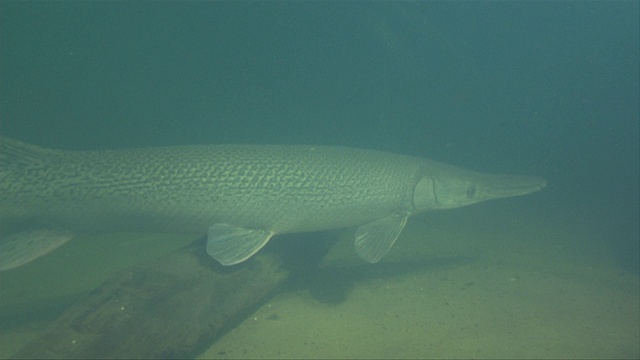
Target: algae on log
x=171 y=308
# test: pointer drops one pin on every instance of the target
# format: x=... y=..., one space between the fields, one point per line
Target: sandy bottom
x=512 y=284
x=515 y=285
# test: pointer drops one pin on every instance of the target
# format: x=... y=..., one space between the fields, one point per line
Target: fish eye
x=471 y=192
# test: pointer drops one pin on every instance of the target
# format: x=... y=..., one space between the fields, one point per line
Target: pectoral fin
x=374 y=240
x=231 y=245
x=19 y=248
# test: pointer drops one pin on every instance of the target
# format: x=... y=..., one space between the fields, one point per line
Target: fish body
x=239 y=195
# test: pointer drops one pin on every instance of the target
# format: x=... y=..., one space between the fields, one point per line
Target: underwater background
x=550 y=89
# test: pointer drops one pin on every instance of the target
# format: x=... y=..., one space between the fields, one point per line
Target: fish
x=239 y=195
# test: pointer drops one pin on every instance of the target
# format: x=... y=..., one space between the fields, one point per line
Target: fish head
x=456 y=187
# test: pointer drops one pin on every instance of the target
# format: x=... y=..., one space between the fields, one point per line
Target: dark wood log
x=171 y=308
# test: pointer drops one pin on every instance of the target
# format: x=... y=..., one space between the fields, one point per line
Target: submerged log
x=171 y=308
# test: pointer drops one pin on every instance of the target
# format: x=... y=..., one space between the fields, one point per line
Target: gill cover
x=424 y=195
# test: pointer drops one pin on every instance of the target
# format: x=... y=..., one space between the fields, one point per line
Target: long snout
x=498 y=186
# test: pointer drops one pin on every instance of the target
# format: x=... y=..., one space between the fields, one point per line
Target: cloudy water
x=546 y=89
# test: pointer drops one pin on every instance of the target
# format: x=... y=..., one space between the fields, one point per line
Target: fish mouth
x=514 y=185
